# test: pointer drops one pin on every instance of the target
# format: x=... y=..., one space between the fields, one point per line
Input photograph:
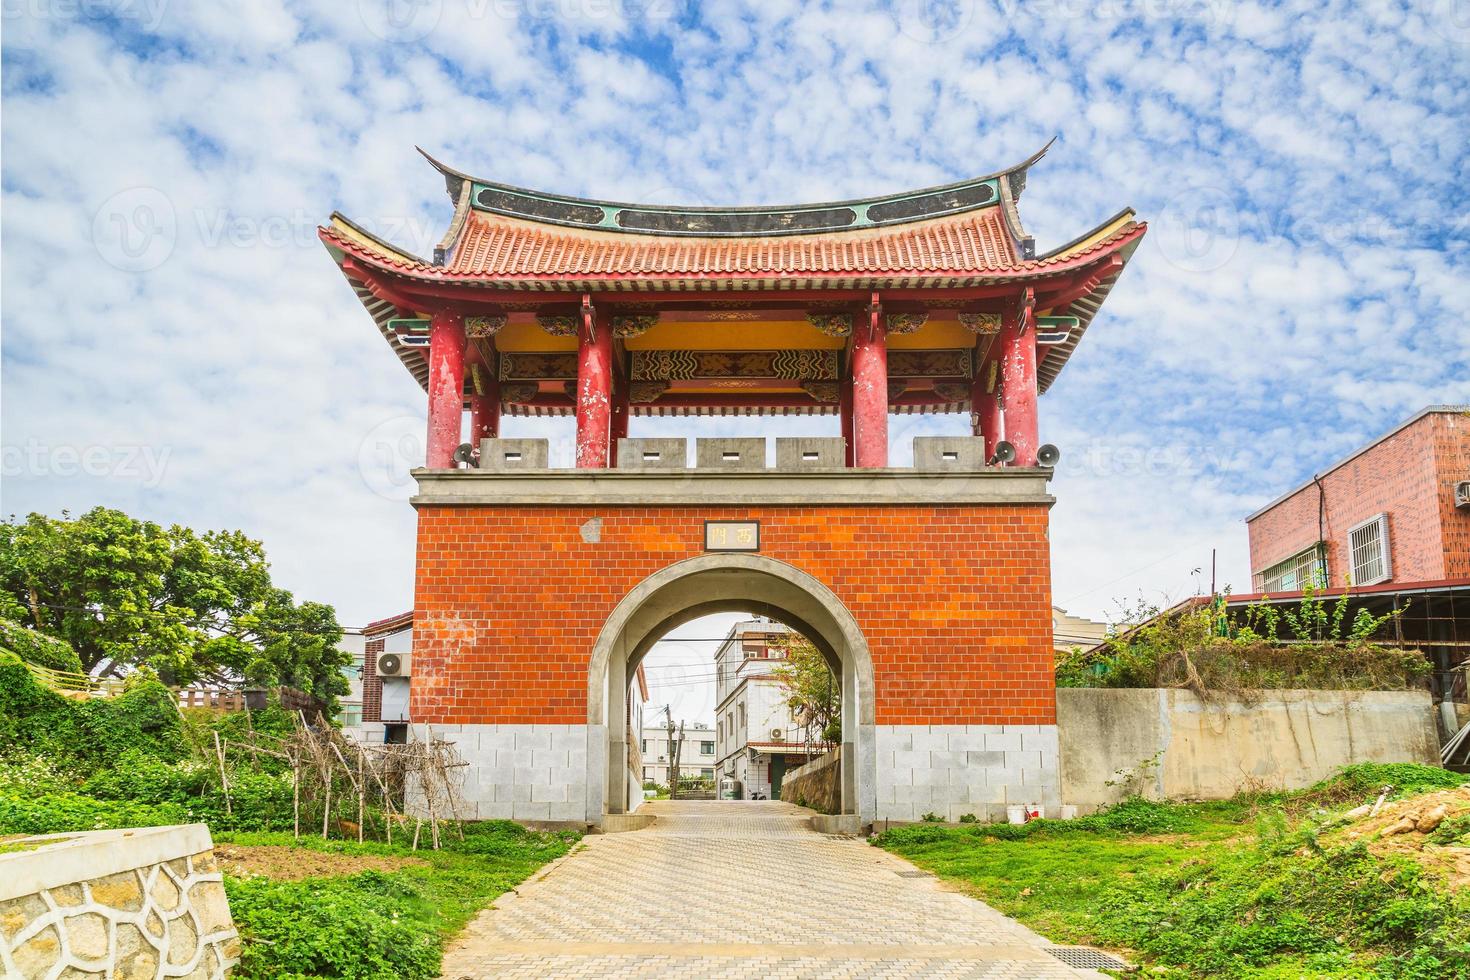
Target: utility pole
x=673 y=760
x=675 y=750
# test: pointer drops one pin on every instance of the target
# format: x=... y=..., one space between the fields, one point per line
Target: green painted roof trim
x=741 y=222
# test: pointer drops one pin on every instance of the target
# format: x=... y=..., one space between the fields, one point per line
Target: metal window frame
x=1385 y=554
x=1311 y=556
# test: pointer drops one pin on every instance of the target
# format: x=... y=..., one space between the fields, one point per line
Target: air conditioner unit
x=1462 y=494
x=778 y=735
x=394 y=665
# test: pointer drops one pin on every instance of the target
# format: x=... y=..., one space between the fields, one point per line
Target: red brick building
x=1387 y=513
x=539 y=590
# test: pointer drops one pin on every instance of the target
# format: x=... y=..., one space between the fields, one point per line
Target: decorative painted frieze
x=942 y=363
x=683 y=365
x=538 y=366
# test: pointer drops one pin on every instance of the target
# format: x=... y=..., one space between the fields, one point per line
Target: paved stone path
x=742 y=889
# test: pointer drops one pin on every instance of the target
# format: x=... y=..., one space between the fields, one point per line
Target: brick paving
x=742 y=889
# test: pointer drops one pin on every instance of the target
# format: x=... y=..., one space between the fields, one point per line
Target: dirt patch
x=1449 y=862
x=294 y=863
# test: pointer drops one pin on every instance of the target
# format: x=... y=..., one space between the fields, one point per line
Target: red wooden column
x=985 y=405
x=1017 y=343
x=619 y=425
x=870 y=389
x=484 y=402
x=594 y=388
x=844 y=412
x=446 y=389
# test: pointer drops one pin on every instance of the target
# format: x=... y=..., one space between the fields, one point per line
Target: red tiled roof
x=494 y=248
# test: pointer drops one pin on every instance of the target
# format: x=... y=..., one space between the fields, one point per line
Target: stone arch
x=715 y=583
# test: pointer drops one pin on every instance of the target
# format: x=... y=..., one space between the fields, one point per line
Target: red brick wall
x=1452 y=464
x=955 y=603
x=1409 y=476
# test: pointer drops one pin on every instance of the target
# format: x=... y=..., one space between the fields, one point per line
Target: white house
x=697 y=759
x=756 y=737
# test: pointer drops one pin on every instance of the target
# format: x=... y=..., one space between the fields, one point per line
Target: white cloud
x=1329 y=139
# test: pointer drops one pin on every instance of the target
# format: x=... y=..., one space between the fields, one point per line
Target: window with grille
x=1368 y=546
x=1294 y=573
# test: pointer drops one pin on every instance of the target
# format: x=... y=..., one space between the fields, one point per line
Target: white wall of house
x=697 y=759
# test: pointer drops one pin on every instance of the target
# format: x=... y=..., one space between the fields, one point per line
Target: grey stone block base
x=952 y=770
x=530 y=773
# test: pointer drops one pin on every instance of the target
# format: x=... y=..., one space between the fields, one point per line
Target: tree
x=812 y=692
x=127 y=594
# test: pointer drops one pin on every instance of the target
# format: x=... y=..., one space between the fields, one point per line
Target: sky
x=175 y=342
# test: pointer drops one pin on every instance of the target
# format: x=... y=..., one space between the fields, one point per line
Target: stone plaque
x=732 y=536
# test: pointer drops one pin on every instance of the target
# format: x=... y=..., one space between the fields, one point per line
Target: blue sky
x=176 y=342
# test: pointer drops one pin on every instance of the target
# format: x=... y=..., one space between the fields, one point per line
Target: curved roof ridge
x=899 y=207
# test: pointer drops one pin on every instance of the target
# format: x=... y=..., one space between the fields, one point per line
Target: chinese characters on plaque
x=732 y=536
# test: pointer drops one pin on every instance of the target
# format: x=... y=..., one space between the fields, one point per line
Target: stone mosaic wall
x=163 y=919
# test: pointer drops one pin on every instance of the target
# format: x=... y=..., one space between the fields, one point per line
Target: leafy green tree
x=129 y=594
x=812 y=692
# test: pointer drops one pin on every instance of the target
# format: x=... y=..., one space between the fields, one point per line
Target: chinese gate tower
x=927 y=587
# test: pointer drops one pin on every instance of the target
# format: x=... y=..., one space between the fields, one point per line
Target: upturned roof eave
x=394 y=261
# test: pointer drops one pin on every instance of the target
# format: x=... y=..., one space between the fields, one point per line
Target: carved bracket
x=906 y=323
x=559 y=324
x=628 y=326
x=983 y=324
x=831 y=324
x=822 y=391
x=478 y=327
x=643 y=392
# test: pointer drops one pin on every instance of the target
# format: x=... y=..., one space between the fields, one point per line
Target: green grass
x=1242 y=888
x=374 y=925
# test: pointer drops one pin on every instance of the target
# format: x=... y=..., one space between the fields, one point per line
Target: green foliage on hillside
x=38 y=648
x=126 y=593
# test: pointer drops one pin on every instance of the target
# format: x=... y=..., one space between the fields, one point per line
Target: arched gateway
x=538 y=589
x=718 y=583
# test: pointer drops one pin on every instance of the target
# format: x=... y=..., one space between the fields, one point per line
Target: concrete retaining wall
x=116 y=903
x=817 y=784
x=1167 y=744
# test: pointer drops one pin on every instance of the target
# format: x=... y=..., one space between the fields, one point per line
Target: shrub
x=35 y=719
x=353 y=927
x=38 y=648
x=1258 y=648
